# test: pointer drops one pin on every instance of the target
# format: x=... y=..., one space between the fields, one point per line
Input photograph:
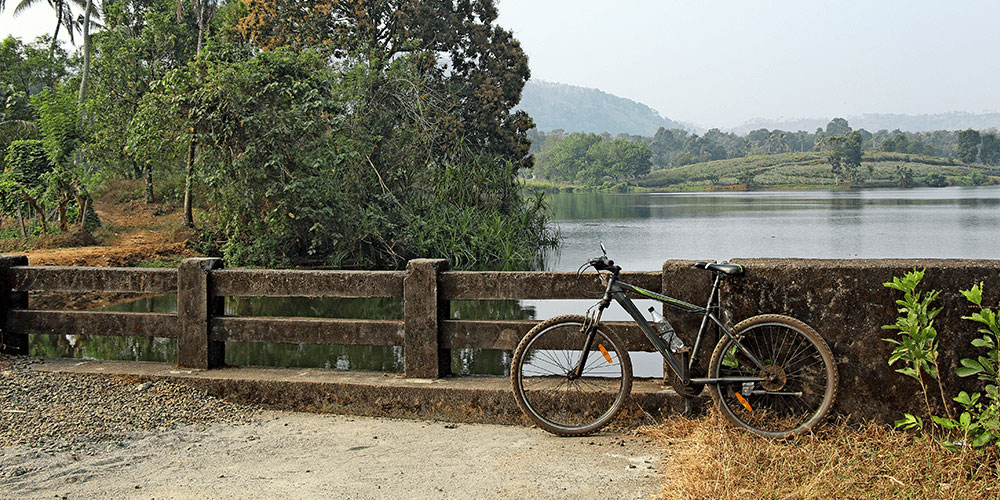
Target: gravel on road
x=56 y=411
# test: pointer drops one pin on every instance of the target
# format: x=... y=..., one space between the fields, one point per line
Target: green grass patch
x=167 y=262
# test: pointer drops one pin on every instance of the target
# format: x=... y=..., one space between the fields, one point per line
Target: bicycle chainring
x=688 y=391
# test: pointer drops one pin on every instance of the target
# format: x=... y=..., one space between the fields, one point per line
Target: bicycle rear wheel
x=550 y=397
x=802 y=377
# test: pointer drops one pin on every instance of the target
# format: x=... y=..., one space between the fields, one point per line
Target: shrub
x=978 y=422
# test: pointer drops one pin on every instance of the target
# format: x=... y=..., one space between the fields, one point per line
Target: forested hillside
x=557 y=106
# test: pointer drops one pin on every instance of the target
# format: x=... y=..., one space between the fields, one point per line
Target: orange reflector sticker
x=604 y=352
x=743 y=401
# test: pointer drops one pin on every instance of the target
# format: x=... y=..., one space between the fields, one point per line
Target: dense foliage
x=349 y=133
x=476 y=68
x=22 y=183
x=588 y=159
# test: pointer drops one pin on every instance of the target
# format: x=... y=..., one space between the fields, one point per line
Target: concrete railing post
x=11 y=342
x=682 y=280
x=423 y=313
x=195 y=309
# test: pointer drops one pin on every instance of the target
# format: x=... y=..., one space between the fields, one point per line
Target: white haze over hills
x=579 y=109
x=955 y=120
x=723 y=62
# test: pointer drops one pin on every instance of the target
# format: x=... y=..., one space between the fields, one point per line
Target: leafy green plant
x=729 y=359
x=70 y=178
x=935 y=180
x=916 y=342
x=22 y=184
x=978 y=178
x=979 y=422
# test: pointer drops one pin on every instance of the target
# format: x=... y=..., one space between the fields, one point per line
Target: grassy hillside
x=813 y=170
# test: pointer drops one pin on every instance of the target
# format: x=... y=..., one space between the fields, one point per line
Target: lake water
x=640 y=231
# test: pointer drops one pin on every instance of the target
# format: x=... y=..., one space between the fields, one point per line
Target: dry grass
x=708 y=459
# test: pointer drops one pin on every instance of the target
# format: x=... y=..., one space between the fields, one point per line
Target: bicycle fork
x=590 y=327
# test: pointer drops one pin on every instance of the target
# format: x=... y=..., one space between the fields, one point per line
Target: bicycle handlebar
x=603 y=263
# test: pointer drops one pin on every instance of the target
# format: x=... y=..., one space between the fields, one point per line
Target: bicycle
x=770 y=374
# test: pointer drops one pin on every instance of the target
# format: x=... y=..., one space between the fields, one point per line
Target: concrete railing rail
x=201 y=328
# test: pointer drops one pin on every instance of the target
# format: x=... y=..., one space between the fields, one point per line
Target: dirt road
x=300 y=455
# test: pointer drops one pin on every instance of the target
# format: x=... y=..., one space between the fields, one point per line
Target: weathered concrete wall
x=455 y=399
x=844 y=300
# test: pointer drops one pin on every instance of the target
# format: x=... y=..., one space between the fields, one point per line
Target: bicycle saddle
x=731 y=269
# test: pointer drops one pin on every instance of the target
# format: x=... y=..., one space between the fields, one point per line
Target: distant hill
x=955 y=120
x=578 y=109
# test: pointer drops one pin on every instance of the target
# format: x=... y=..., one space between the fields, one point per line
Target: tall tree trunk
x=188 y=198
x=85 y=76
x=20 y=222
x=193 y=145
x=84 y=206
x=62 y=215
x=149 y=183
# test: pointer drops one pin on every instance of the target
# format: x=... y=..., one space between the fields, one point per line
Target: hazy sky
x=721 y=63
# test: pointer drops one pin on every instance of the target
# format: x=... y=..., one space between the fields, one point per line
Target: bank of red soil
x=132 y=233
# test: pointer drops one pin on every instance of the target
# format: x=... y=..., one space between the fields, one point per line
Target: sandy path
x=299 y=455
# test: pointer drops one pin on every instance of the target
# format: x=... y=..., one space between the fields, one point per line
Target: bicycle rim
x=551 y=398
x=802 y=377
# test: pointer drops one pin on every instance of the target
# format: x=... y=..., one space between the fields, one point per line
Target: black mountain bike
x=771 y=374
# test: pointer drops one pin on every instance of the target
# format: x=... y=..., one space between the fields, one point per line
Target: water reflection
x=640 y=232
x=340 y=357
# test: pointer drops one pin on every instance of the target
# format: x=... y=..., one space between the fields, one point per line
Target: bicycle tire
x=803 y=384
x=539 y=377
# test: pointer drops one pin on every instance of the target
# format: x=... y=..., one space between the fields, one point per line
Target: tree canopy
x=476 y=69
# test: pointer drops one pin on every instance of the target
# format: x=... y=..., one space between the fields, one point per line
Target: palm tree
x=64 y=17
x=88 y=13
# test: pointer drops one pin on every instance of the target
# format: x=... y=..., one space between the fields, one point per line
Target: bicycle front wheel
x=801 y=376
x=547 y=392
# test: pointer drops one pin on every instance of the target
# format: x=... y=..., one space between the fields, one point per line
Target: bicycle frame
x=617 y=290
